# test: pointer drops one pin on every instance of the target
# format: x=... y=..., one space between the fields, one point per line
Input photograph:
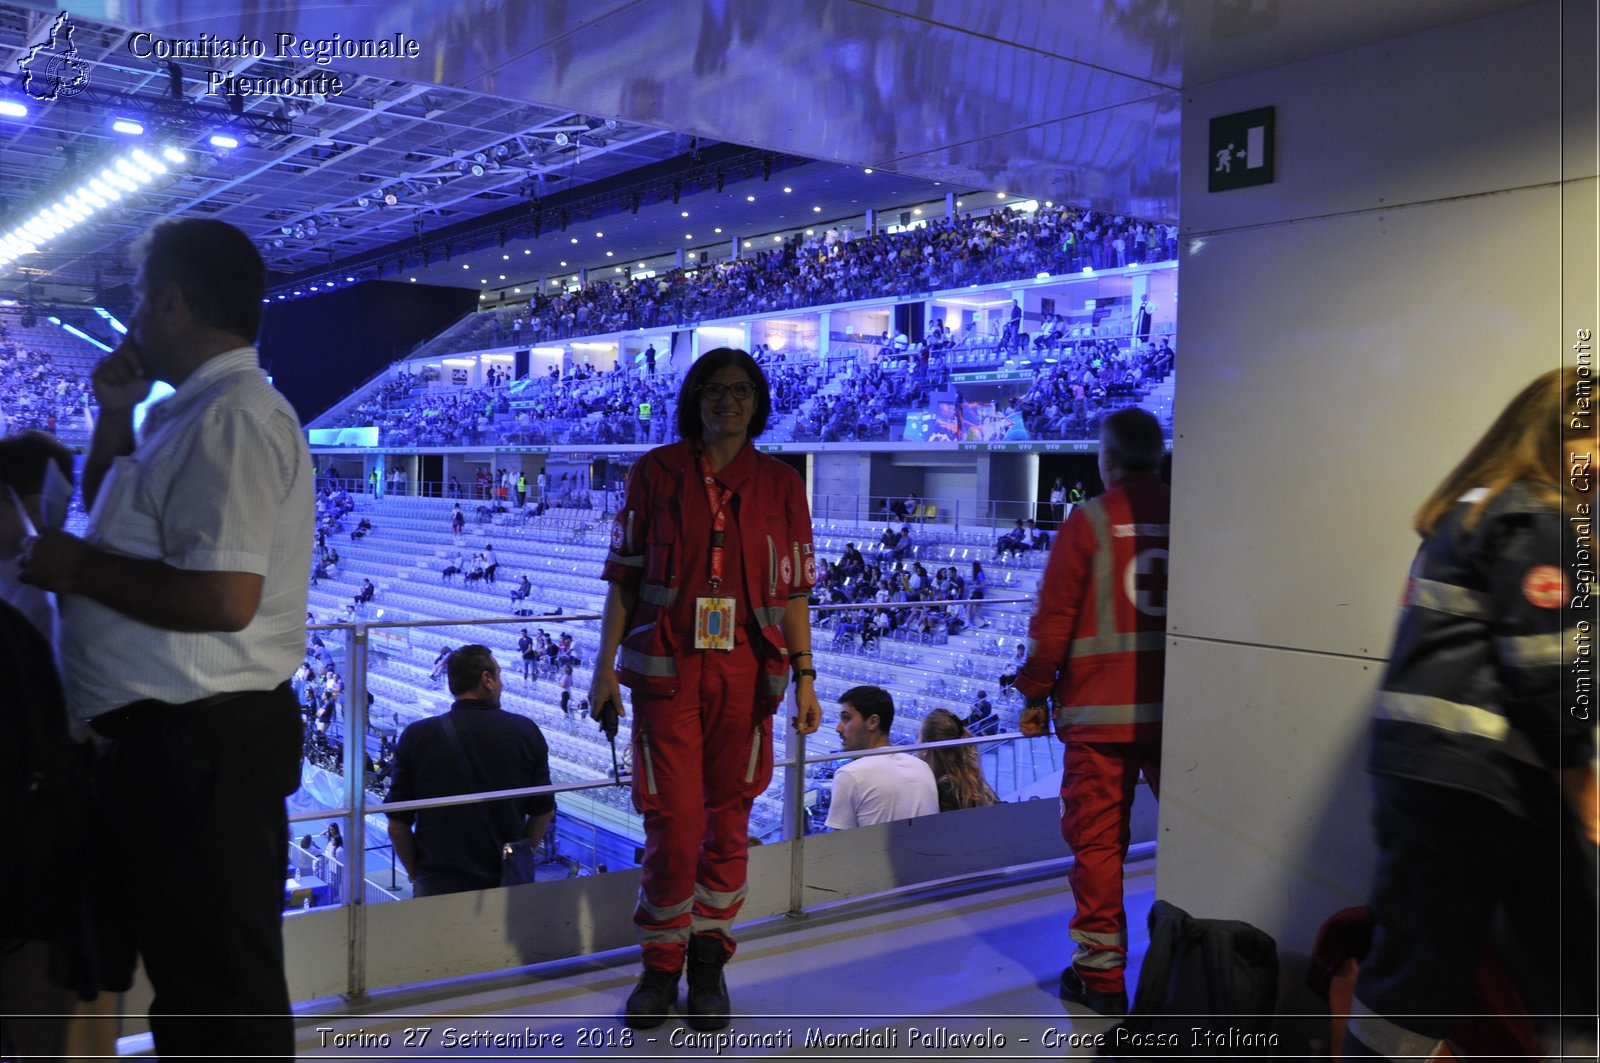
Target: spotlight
x=462 y=167
x=477 y=168
x=127 y=127
x=13 y=109
x=224 y=141
x=562 y=140
x=501 y=153
x=390 y=199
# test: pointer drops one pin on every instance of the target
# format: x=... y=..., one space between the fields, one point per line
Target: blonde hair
x=958 y=764
x=1523 y=445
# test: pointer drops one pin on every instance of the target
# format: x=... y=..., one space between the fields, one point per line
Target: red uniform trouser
x=1096 y=805
x=700 y=759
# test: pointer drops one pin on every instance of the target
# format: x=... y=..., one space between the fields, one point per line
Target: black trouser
x=205 y=783
x=1449 y=862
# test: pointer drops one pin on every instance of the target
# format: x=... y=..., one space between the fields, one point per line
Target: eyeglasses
x=744 y=391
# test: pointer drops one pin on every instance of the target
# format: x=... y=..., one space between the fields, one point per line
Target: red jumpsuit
x=1098 y=645
x=702 y=730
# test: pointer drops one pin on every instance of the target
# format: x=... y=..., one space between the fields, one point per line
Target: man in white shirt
x=881 y=788
x=182 y=619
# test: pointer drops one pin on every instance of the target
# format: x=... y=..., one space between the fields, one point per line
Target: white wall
x=1348 y=331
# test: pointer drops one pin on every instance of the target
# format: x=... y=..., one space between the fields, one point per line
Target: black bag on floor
x=1208 y=987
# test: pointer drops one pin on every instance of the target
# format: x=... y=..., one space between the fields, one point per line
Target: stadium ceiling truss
x=317 y=181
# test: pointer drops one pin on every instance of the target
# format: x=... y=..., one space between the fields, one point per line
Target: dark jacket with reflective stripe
x=1473 y=694
x=644 y=556
x=1098 y=636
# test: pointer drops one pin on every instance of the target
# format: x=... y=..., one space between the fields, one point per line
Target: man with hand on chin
x=182 y=613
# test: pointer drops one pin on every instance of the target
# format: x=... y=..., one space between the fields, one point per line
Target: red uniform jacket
x=1098 y=637
x=774 y=555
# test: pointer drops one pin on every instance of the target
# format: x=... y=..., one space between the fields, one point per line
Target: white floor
x=968 y=971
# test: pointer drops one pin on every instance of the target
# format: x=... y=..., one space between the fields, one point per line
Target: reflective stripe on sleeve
x=1086 y=715
x=1118 y=642
x=657 y=594
x=644 y=664
x=1532 y=651
x=615 y=558
x=1448 y=598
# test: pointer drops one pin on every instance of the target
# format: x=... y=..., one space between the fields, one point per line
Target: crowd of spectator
x=839 y=265
x=1078 y=381
x=35 y=392
x=887 y=575
x=1090 y=378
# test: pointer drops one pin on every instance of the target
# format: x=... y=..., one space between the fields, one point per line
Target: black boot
x=647 y=1005
x=707 y=1007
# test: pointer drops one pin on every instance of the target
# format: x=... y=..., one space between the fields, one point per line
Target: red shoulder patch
x=616 y=534
x=1545 y=586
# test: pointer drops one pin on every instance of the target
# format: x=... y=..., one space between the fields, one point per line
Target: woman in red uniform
x=710 y=562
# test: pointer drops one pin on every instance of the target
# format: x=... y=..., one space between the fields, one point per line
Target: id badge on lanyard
x=715 y=616
x=713 y=623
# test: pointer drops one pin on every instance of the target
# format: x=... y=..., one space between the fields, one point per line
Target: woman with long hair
x=955 y=768
x=1482 y=743
x=710 y=565
x=975 y=591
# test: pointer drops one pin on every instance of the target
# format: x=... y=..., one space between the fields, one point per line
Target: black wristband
x=800 y=673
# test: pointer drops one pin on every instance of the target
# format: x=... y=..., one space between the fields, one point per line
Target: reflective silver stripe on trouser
x=644 y=664
x=769 y=615
x=1448 y=598
x=1388 y=1038
x=755 y=755
x=615 y=558
x=1456 y=718
x=777 y=684
x=657 y=594
x=1118 y=642
x=649 y=913
x=1531 y=651
x=1105 y=578
x=1100 y=952
x=1084 y=715
x=662 y=913
x=721 y=902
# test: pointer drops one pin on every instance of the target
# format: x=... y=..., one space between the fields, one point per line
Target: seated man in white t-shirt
x=880 y=788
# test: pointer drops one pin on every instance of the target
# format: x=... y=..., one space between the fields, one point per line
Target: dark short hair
x=217 y=268
x=869 y=701
x=466 y=666
x=1132 y=439
x=689 y=424
x=24 y=457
